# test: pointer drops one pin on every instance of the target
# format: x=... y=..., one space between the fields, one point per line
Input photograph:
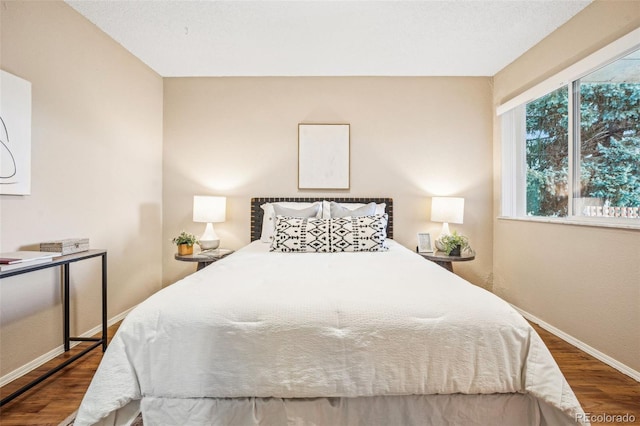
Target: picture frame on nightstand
x=424 y=243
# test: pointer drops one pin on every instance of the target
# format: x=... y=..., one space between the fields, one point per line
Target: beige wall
x=96 y=173
x=584 y=281
x=411 y=138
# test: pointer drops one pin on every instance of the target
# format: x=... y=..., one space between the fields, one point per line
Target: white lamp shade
x=209 y=209
x=447 y=209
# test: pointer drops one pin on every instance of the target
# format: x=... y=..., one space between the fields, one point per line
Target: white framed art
x=323 y=156
x=15 y=135
x=424 y=243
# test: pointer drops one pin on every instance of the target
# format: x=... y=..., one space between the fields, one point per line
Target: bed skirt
x=423 y=410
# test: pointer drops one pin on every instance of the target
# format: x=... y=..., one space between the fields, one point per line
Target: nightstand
x=204 y=258
x=446 y=261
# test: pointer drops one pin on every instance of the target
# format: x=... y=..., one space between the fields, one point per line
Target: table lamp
x=447 y=210
x=209 y=209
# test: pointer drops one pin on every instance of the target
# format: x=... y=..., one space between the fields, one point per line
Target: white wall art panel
x=15 y=135
x=323 y=156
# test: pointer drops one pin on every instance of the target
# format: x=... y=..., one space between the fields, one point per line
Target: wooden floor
x=599 y=388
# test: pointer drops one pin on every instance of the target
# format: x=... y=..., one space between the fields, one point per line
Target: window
x=574 y=152
x=546 y=145
x=608 y=180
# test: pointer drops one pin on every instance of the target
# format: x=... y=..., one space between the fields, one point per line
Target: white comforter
x=266 y=324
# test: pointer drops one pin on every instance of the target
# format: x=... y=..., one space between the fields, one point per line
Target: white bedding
x=285 y=325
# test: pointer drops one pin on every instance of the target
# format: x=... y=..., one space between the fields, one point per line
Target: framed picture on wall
x=323 y=156
x=424 y=243
x=15 y=135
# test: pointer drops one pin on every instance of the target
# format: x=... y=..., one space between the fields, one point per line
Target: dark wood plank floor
x=51 y=401
x=599 y=388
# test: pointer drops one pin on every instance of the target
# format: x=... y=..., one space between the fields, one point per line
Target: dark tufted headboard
x=256 y=211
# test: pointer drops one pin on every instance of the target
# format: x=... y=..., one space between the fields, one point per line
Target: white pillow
x=269 y=216
x=326 y=208
x=305 y=213
x=339 y=211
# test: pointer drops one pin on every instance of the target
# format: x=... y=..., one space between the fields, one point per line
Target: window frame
x=512 y=115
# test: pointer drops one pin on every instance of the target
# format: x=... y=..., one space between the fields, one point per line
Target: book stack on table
x=21 y=259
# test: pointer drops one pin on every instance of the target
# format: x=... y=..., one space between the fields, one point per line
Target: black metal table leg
x=66 y=301
x=104 y=302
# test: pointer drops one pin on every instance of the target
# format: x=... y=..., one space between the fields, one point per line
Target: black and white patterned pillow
x=299 y=235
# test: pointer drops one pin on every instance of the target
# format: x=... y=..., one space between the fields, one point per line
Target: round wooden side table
x=446 y=261
x=204 y=258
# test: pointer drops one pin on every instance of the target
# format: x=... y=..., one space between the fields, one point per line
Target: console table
x=63 y=262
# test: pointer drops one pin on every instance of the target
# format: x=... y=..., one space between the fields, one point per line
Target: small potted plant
x=454 y=244
x=185 y=242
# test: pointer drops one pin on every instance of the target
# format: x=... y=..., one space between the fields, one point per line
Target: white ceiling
x=328 y=38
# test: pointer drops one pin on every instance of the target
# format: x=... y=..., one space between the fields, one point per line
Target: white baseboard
x=21 y=371
x=624 y=369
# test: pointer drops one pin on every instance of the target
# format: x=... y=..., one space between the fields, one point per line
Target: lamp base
x=209 y=240
x=209 y=245
x=444 y=232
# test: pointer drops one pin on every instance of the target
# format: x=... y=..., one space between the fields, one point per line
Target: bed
x=268 y=336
